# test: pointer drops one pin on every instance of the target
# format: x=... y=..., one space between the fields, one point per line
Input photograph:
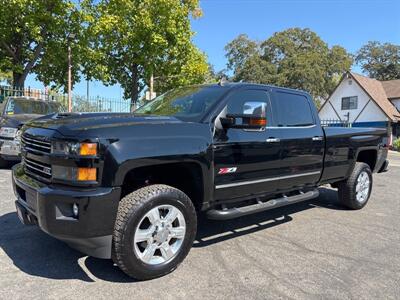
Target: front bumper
x=50 y=207
x=10 y=149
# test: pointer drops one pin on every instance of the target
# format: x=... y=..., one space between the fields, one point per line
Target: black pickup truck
x=130 y=186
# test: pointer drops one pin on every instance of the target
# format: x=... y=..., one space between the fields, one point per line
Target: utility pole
x=70 y=37
x=87 y=89
x=69 y=78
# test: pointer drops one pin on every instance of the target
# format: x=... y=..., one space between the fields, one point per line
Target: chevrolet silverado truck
x=129 y=186
x=14 y=113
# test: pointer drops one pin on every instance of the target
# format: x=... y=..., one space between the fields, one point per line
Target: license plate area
x=31 y=200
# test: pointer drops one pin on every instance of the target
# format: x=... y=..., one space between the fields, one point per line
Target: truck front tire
x=354 y=192
x=154 y=231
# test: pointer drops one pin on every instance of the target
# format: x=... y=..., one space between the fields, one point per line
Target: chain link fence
x=79 y=103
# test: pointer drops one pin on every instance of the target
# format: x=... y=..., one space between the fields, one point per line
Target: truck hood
x=16 y=121
x=72 y=124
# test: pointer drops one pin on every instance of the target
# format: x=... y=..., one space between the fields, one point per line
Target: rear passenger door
x=301 y=138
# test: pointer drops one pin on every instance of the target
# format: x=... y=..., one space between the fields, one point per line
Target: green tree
x=5 y=77
x=380 y=61
x=194 y=69
x=295 y=58
x=33 y=39
x=239 y=52
x=133 y=39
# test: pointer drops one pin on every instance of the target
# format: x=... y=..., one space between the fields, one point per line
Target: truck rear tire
x=354 y=192
x=154 y=231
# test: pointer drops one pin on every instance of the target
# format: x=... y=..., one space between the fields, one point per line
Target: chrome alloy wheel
x=363 y=187
x=159 y=235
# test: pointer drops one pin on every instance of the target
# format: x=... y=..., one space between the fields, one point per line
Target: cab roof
x=233 y=85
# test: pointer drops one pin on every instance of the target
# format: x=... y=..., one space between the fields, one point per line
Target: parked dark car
x=15 y=112
x=130 y=186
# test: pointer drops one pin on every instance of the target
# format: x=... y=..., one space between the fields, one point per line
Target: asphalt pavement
x=310 y=250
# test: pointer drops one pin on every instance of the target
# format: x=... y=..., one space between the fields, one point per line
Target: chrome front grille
x=36 y=145
x=37 y=168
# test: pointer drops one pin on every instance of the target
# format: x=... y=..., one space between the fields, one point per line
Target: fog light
x=75 y=210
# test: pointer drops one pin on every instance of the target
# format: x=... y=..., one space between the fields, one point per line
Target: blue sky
x=349 y=23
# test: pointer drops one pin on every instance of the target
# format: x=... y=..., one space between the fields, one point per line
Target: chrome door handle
x=272 y=140
x=317 y=138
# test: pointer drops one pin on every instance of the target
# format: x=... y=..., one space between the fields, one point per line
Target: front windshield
x=186 y=103
x=25 y=106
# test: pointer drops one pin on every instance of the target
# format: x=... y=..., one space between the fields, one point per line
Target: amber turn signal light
x=258 y=122
x=87 y=174
x=87 y=149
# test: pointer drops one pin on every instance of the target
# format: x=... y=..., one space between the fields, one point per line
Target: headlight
x=8 y=132
x=82 y=149
x=74 y=173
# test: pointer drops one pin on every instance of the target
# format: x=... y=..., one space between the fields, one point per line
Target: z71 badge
x=227 y=170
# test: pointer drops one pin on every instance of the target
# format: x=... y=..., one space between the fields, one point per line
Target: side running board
x=230 y=213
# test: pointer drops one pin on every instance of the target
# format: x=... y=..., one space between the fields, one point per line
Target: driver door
x=243 y=158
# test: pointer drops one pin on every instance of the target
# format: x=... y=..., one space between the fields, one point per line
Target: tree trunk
x=134 y=87
x=17 y=80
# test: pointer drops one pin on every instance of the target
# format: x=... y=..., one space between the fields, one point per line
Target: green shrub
x=396 y=144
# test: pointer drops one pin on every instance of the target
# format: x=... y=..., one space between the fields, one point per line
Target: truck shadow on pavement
x=37 y=254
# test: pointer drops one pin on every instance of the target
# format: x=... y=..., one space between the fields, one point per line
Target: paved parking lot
x=310 y=250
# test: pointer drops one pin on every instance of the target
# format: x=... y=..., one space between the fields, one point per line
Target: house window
x=349 y=103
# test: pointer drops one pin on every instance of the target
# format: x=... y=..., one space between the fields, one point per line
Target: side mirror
x=244 y=121
x=227 y=122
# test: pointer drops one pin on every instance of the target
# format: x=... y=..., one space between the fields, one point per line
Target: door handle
x=272 y=140
x=317 y=138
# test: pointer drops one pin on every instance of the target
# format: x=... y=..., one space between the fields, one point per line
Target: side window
x=349 y=103
x=292 y=110
x=249 y=102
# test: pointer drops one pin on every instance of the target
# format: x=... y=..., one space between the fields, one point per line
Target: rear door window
x=292 y=110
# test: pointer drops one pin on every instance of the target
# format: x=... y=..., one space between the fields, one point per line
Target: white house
x=364 y=102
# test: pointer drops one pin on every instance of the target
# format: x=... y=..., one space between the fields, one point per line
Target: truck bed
x=342 y=146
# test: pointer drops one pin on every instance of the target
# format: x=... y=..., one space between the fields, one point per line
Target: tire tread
x=346 y=190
